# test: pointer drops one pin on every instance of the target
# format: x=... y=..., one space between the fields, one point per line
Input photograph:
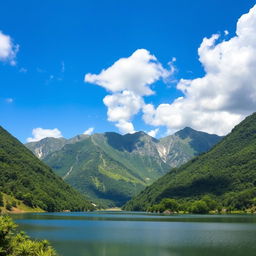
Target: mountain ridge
x=104 y=161
x=226 y=172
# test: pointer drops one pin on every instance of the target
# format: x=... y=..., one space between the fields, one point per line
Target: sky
x=73 y=67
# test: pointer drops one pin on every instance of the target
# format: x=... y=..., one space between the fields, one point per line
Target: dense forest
x=24 y=177
x=226 y=175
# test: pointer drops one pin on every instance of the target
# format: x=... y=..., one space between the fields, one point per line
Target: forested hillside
x=227 y=173
x=25 y=177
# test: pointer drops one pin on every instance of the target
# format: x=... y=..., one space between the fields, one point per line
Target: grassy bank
x=10 y=204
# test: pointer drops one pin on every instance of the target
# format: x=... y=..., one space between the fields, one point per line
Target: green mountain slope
x=111 y=168
x=227 y=173
x=177 y=149
x=25 y=177
x=95 y=168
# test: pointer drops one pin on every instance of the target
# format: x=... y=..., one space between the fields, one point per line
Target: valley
x=111 y=168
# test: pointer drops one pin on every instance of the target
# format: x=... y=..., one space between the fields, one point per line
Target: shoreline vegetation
x=9 y=204
x=206 y=205
x=169 y=206
x=14 y=243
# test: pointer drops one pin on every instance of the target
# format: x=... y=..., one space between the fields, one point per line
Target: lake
x=132 y=234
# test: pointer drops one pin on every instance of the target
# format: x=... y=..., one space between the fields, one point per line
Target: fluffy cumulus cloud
x=128 y=80
x=122 y=107
x=225 y=95
x=40 y=133
x=8 y=49
x=134 y=73
x=89 y=131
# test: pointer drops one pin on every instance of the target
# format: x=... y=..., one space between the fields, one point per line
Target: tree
x=170 y=204
x=19 y=244
x=199 y=207
x=211 y=204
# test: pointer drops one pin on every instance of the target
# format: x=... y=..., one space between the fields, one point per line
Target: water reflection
x=121 y=234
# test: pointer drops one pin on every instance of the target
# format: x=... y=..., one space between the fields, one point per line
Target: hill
x=227 y=173
x=26 y=178
x=111 y=168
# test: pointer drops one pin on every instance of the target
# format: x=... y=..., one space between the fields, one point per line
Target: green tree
x=19 y=244
x=211 y=204
x=199 y=207
x=170 y=204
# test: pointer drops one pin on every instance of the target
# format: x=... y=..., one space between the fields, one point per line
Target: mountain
x=25 y=177
x=227 y=173
x=111 y=168
x=177 y=149
x=46 y=146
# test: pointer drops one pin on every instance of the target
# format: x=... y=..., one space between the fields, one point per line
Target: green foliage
x=18 y=244
x=202 y=206
x=28 y=179
x=1 y=199
x=8 y=206
x=199 y=207
x=226 y=172
x=211 y=203
x=166 y=204
x=170 y=204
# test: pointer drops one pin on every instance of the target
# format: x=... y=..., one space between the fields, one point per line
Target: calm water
x=138 y=234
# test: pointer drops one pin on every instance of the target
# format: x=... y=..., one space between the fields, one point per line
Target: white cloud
x=125 y=127
x=134 y=73
x=153 y=133
x=122 y=107
x=227 y=92
x=8 y=49
x=89 y=131
x=40 y=133
x=129 y=79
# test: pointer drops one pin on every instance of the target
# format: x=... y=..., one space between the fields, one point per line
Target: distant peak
x=141 y=133
x=185 y=131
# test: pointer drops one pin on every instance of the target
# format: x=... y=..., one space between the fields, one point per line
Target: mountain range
x=227 y=173
x=111 y=168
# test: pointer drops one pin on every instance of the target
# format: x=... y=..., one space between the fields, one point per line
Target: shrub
x=19 y=244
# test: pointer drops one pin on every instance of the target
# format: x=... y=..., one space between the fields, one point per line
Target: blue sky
x=62 y=41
